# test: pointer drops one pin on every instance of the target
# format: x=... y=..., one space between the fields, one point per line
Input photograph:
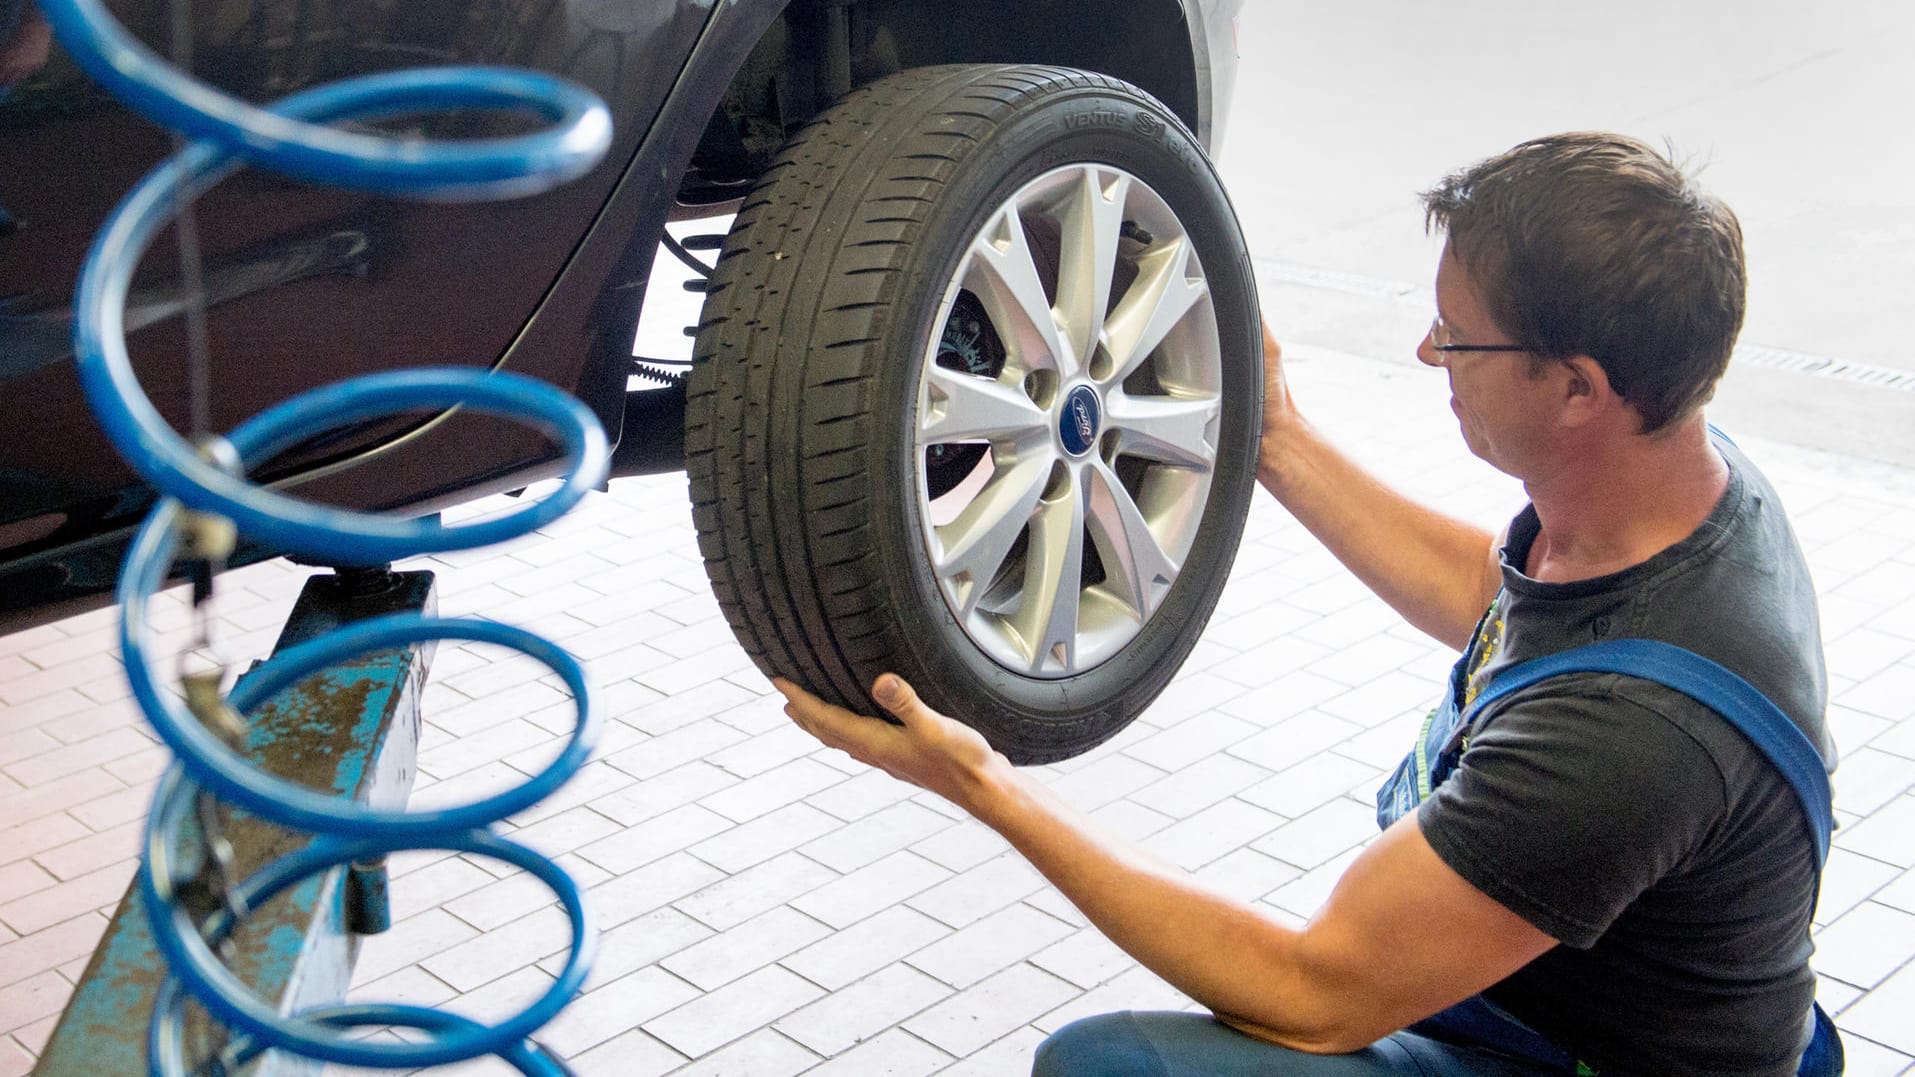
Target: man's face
x=1503 y=405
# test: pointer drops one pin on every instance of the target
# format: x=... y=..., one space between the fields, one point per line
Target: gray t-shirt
x=1638 y=828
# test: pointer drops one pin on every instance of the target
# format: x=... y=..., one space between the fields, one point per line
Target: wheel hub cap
x=1081 y=422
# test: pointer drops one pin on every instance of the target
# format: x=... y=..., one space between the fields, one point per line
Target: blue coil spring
x=290 y=137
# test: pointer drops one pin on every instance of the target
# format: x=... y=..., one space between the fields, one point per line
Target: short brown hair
x=1596 y=244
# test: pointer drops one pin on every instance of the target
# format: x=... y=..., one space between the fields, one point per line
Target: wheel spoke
x=1163 y=293
x=1168 y=429
x=1008 y=284
x=1087 y=258
x=973 y=546
x=964 y=407
x=1053 y=581
x=1136 y=566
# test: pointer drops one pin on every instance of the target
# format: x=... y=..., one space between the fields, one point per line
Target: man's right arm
x=1439 y=572
x=1364 y=966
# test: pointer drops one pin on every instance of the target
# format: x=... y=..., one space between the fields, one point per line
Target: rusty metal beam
x=353 y=729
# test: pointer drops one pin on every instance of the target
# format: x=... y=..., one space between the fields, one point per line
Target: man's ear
x=1586 y=393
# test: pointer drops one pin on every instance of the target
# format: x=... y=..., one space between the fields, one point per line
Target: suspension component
x=194 y=895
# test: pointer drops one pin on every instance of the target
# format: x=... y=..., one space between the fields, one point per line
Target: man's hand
x=1280 y=418
x=924 y=748
x=1276 y=388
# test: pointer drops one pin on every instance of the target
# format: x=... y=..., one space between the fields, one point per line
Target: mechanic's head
x=1596 y=244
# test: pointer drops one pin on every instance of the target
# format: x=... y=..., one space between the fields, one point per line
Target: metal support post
x=352 y=729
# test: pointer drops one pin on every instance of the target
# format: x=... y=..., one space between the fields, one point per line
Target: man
x=1609 y=863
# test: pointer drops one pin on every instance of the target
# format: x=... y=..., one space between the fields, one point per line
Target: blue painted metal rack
x=194 y=901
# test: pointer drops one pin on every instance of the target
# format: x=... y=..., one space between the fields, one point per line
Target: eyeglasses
x=1440 y=340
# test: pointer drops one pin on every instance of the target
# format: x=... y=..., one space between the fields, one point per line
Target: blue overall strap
x=1709 y=684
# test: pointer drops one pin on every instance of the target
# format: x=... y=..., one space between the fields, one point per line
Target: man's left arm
x=1365 y=965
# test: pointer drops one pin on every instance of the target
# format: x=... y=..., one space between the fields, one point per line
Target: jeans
x=1132 y=1044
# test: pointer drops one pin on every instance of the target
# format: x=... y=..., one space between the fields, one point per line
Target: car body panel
x=305 y=285
x=308 y=285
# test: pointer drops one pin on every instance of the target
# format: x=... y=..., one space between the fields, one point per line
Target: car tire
x=876 y=398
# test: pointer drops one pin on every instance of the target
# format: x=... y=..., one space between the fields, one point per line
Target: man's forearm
x=1364 y=966
x=1243 y=965
x=1435 y=570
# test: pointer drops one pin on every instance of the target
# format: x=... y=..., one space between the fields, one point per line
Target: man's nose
x=1427 y=353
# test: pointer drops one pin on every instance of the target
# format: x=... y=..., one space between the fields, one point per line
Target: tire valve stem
x=1136 y=234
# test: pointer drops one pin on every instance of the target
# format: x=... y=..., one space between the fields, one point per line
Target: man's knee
x=1108 y=1045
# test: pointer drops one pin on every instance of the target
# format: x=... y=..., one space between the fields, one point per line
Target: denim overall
x=1445 y=733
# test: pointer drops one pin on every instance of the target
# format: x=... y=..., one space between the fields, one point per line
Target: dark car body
x=308 y=285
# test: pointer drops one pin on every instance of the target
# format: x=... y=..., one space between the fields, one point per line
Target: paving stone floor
x=770 y=908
